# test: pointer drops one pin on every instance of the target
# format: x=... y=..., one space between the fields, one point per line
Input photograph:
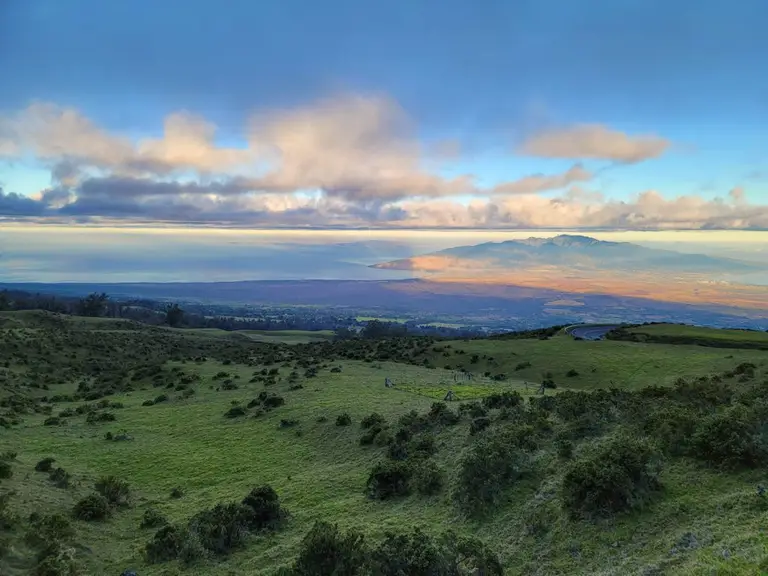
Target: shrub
x=389 y=479
x=564 y=448
x=5 y=469
x=572 y=373
x=729 y=440
x=398 y=450
x=221 y=528
x=192 y=549
x=148 y=403
x=177 y=492
x=96 y=417
x=417 y=553
x=620 y=475
x=343 y=419
x=474 y=409
x=45 y=465
x=424 y=445
x=479 y=424
x=427 y=478
x=235 y=412
x=57 y=559
x=47 y=529
x=326 y=551
x=265 y=511
x=52 y=421
x=288 y=423
x=165 y=545
x=160 y=399
x=116 y=491
x=370 y=435
x=92 y=507
x=372 y=420
x=522 y=366
x=673 y=427
x=153 y=518
x=486 y=468
x=440 y=414
x=60 y=478
x=503 y=400
x=8 y=455
x=273 y=401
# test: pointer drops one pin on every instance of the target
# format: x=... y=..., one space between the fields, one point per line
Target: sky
x=609 y=115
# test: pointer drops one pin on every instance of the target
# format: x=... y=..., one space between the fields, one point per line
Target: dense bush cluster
x=327 y=551
x=619 y=475
x=488 y=466
x=218 y=530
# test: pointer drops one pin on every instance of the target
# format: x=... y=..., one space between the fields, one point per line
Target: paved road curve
x=592 y=332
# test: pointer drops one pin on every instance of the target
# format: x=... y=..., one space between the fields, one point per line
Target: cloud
x=72 y=144
x=355 y=147
x=542 y=183
x=595 y=142
x=575 y=209
x=12 y=204
x=348 y=161
x=737 y=194
x=647 y=211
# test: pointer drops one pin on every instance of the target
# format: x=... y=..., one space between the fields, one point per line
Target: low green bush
x=153 y=518
x=114 y=489
x=343 y=419
x=372 y=420
x=92 y=507
x=732 y=439
x=487 y=467
x=45 y=465
x=6 y=471
x=389 y=479
x=428 y=478
x=619 y=475
x=326 y=551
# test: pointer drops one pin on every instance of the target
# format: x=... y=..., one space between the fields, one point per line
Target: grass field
x=320 y=469
x=701 y=332
x=601 y=364
x=270 y=336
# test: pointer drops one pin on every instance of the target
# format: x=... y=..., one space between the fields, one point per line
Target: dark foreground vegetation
x=169 y=452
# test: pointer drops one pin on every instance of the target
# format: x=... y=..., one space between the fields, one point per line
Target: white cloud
x=596 y=142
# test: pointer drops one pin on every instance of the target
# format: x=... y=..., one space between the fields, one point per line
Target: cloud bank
x=348 y=161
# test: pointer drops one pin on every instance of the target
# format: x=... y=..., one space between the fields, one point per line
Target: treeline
x=158 y=313
x=540 y=333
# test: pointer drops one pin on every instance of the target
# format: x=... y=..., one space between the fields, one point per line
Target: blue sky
x=489 y=78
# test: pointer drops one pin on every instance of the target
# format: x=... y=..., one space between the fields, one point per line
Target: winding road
x=591 y=332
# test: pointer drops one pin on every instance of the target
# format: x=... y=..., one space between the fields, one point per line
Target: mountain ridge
x=572 y=251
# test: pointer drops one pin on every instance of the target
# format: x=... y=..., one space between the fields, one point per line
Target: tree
x=93 y=305
x=174 y=315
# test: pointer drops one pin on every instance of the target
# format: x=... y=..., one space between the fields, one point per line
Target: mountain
x=569 y=251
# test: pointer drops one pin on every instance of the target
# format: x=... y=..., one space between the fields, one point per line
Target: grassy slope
x=320 y=474
x=599 y=364
x=701 y=332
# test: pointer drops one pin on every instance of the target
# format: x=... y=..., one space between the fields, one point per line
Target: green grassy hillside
x=192 y=428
